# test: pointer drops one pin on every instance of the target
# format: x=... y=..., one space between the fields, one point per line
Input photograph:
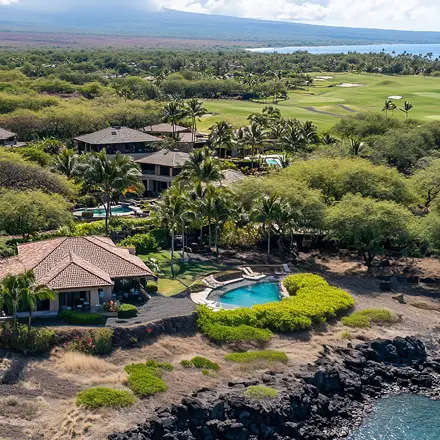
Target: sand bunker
x=350 y=85
x=395 y=97
x=322 y=78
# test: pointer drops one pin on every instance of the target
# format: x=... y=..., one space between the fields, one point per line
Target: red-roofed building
x=84 y=272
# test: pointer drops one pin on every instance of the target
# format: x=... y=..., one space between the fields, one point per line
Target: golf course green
x=326 y=102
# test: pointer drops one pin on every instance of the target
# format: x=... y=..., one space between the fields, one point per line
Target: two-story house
x=160 y=168
x=113 y=139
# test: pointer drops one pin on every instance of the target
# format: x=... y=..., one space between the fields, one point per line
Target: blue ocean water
x=259 y=293
x=404 y=417
x=395 y=49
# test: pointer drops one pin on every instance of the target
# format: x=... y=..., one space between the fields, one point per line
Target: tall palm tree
x=111 y=177
x=168 y=215
x=221 y=136
x=173 y=113
x=255 y=136
x=310 y=133
x=406 y=108
x=268 y=212
x=293 y=139
x=66 y=163
x=219 y=209
x=194 y=109
x=388 y=106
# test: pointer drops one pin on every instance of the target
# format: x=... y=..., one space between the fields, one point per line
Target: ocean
x=404 y=417
x=395 y=49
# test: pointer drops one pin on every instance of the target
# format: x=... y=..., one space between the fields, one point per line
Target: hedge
x=39 y=340
x=99 y=397
x=127 y=311
x=80 y=318
x=293 y=283
x=144 y=379
x=310 y=305
x=254 y=356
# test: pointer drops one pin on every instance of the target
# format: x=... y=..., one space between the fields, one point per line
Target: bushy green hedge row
x=145 y=379
x=254 y=356
x=80 y=318
x=310 y=305
x=293 y=283
x=127 y=311
x=144 y=243
x=100 y=397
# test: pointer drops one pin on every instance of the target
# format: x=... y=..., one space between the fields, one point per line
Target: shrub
x=79 y=318
x=104 y=397
x=260 y=392
x=200 y=362
x=7 y=250
x=293 y=283
x=243 y=333
x=364 y=318
x=253 y=356
x=94 y=342
x=144 y=379
x=127 y=311
x=346 y=335
x=39 y=340
x=198 y=286
x=152 y=287
x=144 y=243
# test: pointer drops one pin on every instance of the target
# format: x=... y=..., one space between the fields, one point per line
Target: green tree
x=407 y=107
x=111 y=177
x=426 y=182
x=355 y=146
x=389 y=106
x=173 y=112
x=66 y=163
x=194 y=109
x=367 y=225
x=221 y=136
x=255 y=137
x=26 y=213
x=268 y=211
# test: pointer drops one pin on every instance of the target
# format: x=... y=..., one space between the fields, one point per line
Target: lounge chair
x=286 y=268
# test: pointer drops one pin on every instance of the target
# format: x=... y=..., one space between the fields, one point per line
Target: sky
x=385 y=14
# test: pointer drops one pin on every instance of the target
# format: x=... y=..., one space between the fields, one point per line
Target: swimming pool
x=249 y=295
x=273 y=162
x=100 y=212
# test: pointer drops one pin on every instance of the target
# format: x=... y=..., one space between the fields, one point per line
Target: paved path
x=345 y=107
x=159 y=307
x=322 y=112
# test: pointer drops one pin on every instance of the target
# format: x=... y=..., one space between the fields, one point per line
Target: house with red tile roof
x=84 y=272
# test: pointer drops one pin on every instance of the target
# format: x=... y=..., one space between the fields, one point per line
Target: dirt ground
x=40 y=405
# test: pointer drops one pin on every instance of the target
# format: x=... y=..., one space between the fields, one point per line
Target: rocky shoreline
x=325 y=402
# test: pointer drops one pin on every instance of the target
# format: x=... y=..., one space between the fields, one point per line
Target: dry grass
x=425 y=306
x=14 y=407
x=78 y=363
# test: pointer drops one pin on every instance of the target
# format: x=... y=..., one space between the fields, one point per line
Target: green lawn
x=186 y=273
x=422 y=92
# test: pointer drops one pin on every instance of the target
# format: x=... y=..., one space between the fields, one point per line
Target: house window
x=75 y=300
x=164 y=171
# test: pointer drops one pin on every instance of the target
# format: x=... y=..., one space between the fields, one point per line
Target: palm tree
x=329 y=140
x=194 y=109
x=168 y=214
x=219 y=209
x=202 y=167
x=221 y=136
x=286 y=160
x=389 y=106
x=310 y=133
x=31 y=293
x=66 y=163
x=355 y=146
x=112 y=177
x=255 y=137
x=406 y=108
x=173 y=113
x=268 y=211
x=293 y=139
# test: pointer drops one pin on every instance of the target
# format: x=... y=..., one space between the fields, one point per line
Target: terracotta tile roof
x=75 y=262
x=116 y=135
x=75 y=272
x=5 y=134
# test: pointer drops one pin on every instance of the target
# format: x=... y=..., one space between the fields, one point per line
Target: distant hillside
x=188 y=26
